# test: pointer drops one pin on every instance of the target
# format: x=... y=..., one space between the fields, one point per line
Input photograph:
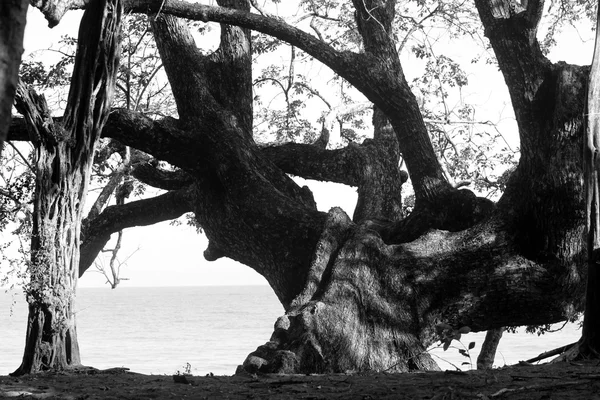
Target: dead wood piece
x=551 y=353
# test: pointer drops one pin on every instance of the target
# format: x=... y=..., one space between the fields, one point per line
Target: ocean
x=161 y=330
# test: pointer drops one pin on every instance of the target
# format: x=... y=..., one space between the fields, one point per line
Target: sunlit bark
x=64 y=155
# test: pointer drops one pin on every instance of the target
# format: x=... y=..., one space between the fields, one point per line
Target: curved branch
x=163 y=138
x=108 y=190
x=181 y=58
x=96 y=232
x=161 y=178
x=54 y=10
x=311 y=162
x=270 y=26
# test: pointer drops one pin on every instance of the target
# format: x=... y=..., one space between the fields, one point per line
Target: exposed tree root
x=578 y=351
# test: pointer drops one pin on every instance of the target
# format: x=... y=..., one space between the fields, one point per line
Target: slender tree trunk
x=13 y=14
x=64 y=156
x=485 y=360
x=589 y=344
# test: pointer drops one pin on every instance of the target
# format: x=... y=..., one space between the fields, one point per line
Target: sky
x=166 y=255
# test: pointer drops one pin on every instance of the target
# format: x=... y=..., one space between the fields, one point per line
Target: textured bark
x=54 y=10
x=12 y=26
x=485 y=359
x=64 y=153
x=371 y=166
x=590 y=336
x=588 y=345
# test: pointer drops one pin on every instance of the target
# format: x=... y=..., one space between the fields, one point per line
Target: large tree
x=366 y=293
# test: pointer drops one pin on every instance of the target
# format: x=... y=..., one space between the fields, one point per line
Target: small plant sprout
x=447 y=334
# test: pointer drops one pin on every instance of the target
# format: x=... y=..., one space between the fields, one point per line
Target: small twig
x=22 y=156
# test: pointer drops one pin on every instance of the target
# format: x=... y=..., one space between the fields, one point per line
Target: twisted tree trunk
x=64 y=155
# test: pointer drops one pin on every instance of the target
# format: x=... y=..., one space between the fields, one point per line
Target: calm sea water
x=213 y=328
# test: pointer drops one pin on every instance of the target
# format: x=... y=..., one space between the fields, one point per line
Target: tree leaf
x=465 y=329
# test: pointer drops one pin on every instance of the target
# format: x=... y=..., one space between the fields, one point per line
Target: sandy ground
x=572 y=381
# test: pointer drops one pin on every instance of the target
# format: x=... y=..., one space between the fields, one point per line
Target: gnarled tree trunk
x=366 y=294
x=64 y=155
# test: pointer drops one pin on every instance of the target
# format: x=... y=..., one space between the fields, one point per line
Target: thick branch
x=54 y=10
x=181 y=58
x=163 y=139
x=534 y=12
x=161 y=178
x=107 y=191
x=233 y=58
x=274 y=27
x=137 y=213
x=311 y=162
x=34 y=107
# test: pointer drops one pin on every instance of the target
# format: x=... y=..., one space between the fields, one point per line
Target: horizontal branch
x=161 y=178
x=96 y=233
x=311 y=162
x=165 y=141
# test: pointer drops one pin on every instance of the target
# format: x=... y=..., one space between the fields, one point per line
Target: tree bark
x=485 y=360
x=64 y=155
x=588 y=345
x=590 y=335
x=13 y=14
